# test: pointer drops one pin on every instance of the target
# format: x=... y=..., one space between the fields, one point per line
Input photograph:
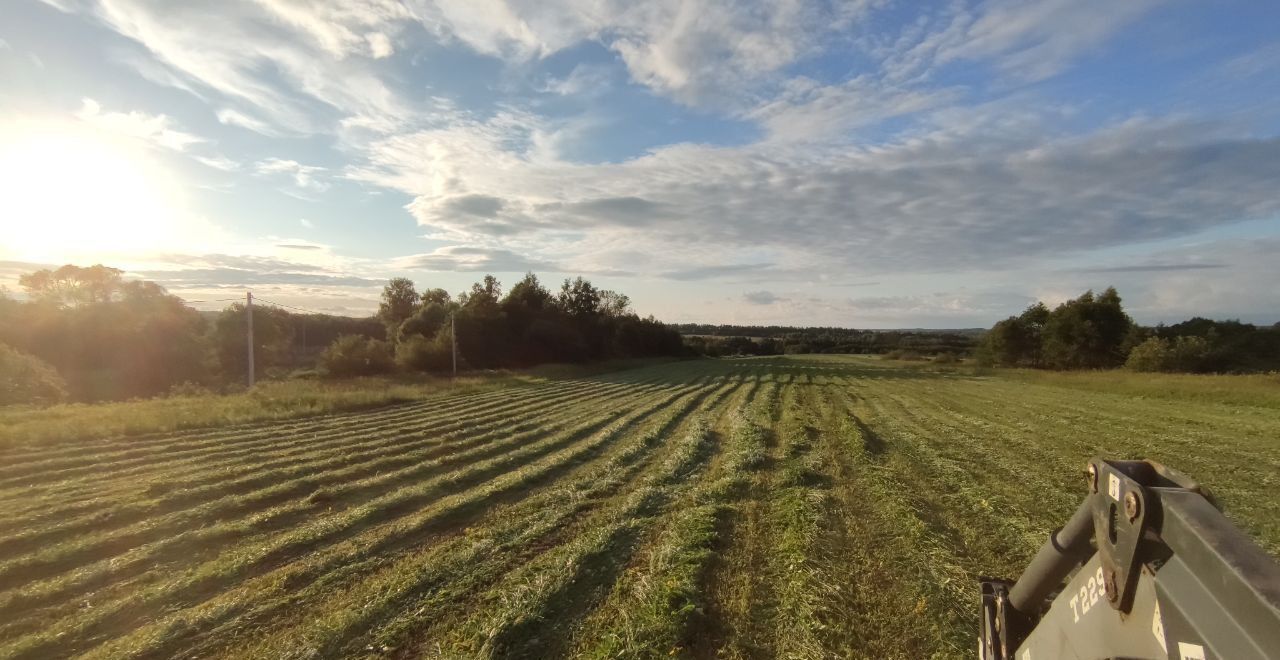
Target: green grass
x=268 y=401
x=798 y=507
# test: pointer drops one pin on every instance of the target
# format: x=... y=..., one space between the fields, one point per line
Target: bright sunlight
x=70 y=191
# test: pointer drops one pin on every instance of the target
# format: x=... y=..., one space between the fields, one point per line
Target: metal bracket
x=1120 y=514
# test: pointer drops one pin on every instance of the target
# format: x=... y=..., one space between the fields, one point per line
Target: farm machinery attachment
x=1159 y=572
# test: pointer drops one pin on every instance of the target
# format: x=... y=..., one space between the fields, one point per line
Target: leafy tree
x=426 y=321
x=483 y=336
x=71 y=285
x=1087 y=333
x=27 y=379
x=353 y=355
x=579 y=298
x=486 y=293
x=106 y=337
x=1185 y=354
x=399 y=299
x=272 y=339
x=418 y=353
x=438 y=296
x=613 y=304
x=1016 y=341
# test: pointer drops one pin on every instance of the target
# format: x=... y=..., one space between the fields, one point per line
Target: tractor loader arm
x=1161 y=574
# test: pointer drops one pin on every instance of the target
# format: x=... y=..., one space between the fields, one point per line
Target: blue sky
x=865 y=164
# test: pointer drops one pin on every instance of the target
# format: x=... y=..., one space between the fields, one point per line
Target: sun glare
x=70 y=194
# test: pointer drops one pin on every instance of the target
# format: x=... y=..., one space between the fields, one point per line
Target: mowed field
x=801 y=507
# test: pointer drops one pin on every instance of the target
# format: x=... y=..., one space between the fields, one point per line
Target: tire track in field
x=656 y=604
x=735 y=589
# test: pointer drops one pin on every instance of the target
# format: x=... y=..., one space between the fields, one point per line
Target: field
x=787 y=507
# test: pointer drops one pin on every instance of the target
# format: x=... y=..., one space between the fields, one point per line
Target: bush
x=946 y=358
x=26 y=379
x=353 y=355
x=417 y=353
x=1186 y=354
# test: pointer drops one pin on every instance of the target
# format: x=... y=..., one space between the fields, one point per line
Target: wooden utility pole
x=248 y=310
x=453 y=339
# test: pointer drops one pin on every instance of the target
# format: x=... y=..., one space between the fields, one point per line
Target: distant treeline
x=1094 y=332
x=86 y=334
x=528 y=325
x=776 y=340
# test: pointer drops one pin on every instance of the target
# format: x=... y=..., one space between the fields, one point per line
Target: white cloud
x=472 y=258
x=290 y=60
x=218 y=162
x=153 y=129
x=379 y=45
x=303 y=176
x=970 y=198
x=1027 y=40
x=232 y=117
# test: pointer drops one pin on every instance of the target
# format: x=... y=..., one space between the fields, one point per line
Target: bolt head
x=1132 y=506
x=1091 y=475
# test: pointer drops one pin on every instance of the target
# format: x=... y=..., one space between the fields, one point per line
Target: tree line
x=1094 y=332
x=526 y=326
x=88 y=334
x=710 y=339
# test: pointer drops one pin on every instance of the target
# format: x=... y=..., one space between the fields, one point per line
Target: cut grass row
x=353 y=458
x=396 y=514
x=332 y=574
x=264 y=549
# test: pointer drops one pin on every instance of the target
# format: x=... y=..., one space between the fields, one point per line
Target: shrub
x=1169 y=355
x=27 y=379
x=353 y=355
x=946 y=358
x=417 y=353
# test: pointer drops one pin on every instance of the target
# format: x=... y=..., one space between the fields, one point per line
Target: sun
x=68 y=194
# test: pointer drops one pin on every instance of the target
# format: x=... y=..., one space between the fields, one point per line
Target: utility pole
x=453 y=339
x=248 y=310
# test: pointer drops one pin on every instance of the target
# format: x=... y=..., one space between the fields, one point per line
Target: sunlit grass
x=270 y=400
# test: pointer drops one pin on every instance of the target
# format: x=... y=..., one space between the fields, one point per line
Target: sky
x=871 y=164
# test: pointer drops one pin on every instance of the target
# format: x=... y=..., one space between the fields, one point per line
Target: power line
x=299 y=309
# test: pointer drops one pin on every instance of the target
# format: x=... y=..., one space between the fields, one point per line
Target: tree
x=1087 y=333
x=614 y=304
x=426 y=321
x=353 y=355
x=438 y=296
x=485 y=293
x=578 y=298
x=72 y=285
x=418 y=353
x=483 y=335
x=28 y=379
x=399 y=299
x=1180 y=354
x=1016 y=341
x=272 y=339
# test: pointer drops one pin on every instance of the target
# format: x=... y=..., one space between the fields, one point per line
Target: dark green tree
x=1087 y=333
x=399 y=300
